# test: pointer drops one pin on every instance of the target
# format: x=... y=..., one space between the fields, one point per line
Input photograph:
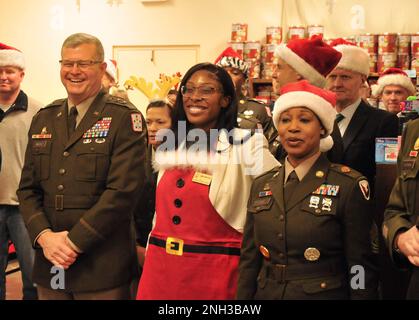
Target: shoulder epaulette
x=55 y=103
x=270 y=173
x=346 y=171
x=120 y=102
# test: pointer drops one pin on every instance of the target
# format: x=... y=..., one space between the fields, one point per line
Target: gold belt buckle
x=174 y=246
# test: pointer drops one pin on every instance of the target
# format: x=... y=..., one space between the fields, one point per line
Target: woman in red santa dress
x=205 y=172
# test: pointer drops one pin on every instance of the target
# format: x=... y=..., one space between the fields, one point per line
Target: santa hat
x=354 y=58
x=230 y=58
x=111 y=68
x=395 y=77
x=10 y=56
x=311 y=58
x=318 y=100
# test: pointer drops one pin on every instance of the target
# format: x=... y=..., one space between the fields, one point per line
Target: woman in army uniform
x=307 y=234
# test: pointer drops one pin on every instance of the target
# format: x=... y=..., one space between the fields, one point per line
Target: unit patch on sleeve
x=136 y=122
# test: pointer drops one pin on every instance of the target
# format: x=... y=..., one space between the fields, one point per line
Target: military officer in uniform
x=401 y=224
x=83 y=171
x=252 y=114
x=308 y=222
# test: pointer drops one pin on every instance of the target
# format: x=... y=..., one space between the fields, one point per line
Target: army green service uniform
x=402 y=209
x=86 y=183
x=306 y=247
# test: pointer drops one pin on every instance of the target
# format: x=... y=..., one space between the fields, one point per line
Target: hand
x=56 y=249
x=408 y=244
x=141 y=255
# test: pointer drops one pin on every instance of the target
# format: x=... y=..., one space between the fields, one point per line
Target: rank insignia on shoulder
x=136 y=122
x=365 y=189
x=345 y=169
x=416 y=146
x=327 y=190
x=265 y=194
x=413 y=154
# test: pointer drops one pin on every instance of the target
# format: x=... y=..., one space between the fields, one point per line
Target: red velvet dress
x=193 y=253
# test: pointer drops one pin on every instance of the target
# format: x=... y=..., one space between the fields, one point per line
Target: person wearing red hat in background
x=359 y=123
x=252 y=114
x=16 y=112
x=312 y=60
x=109 y=78
x=394 y=86
x=307 y=229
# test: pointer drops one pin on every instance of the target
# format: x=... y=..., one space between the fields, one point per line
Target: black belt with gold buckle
x=177 y=247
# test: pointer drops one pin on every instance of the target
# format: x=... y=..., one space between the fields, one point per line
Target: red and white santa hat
x=320 y=101
x=230 y=58
x=354 y=58
x=395 y=77
x=111 y=68
x=12 y=57
x=311 y=58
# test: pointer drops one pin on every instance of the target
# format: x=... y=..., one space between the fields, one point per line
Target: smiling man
x=16 y=112
x=83 y=171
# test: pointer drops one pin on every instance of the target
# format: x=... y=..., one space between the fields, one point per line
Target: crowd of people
x=209 y=196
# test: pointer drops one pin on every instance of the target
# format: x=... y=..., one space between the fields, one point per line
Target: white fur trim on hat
x=110 y=68
x=395 y=80
x=354 y=59
x=300 y=65
x=322 y=108
x=13 y=58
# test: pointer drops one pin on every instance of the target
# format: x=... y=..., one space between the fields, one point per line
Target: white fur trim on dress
x=395 y=80
x=322 y=108
x=12 y=58
x=354 y=59
x=300 y=65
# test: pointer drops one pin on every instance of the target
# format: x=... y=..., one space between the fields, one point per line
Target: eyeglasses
x=203 y=92
x=82 y=64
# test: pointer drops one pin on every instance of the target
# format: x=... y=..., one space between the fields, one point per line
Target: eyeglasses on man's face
x=81 y=64
x=203 y=91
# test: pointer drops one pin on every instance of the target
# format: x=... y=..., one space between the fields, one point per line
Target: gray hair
x=78 y=39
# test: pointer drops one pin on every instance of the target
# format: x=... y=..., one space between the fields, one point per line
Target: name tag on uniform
x=202 y=178
x=43 y=135
x=408 y=164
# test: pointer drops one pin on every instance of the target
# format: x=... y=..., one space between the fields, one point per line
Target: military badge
x=413 y=154
x=416 y=146
x=327 y=204
x=248 y=113
x=87 y=141
x=365 y=189
x=265 y=194
x=43 y=135
x=319 y=174
x=265 y=252
x=99 y=130
x=327 y=190
x=100 y=140
x=266 y=187
x=314 y=202
x=136 y=122
x=312 y=254
x=345 y=169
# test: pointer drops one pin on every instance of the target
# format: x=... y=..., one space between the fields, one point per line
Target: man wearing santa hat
x=16 y=112
x=394 y=86
x=311 y=60
x=109 y=78
x=251 y=113
x=359 y=123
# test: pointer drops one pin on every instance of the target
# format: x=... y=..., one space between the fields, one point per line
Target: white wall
x=34 y=28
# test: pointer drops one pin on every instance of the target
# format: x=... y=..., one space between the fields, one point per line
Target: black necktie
x=72 y=120
x=1 y=114
x=290 y=186
x=339 y=117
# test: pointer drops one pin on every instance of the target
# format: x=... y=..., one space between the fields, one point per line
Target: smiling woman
x=194 y=247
